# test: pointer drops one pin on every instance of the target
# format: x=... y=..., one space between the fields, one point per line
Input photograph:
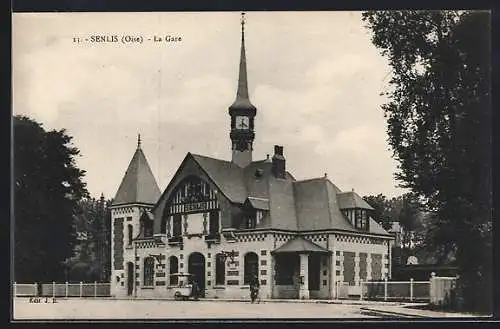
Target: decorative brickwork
x=349 y=267
x=118 y=244
x=250 y=237
x=362 y=266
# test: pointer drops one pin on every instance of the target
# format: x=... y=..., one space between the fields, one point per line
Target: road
x=108 y=309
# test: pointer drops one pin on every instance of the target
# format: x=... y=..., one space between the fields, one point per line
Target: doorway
x=130 y=278
x=314 y=275
x=196 y=266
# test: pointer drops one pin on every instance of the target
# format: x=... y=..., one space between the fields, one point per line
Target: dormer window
x=358 y=217
x=361 y=219
x=254 y=218
x=251 y=220
x=254 y=210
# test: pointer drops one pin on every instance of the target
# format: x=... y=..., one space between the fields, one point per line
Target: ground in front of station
x=110 y=309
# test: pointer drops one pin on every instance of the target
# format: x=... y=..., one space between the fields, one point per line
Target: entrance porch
x=301 y=270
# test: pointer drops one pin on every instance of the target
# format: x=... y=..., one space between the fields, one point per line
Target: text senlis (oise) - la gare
x=131 y=38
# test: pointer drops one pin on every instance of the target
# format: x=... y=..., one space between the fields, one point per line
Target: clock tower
x=242 y=113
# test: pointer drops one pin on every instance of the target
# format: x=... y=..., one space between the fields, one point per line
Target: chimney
x=278 y=162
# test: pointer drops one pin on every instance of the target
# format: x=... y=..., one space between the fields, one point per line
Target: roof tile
x=138 y=184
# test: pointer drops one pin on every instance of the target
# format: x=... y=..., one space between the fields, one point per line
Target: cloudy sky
x=314 y=77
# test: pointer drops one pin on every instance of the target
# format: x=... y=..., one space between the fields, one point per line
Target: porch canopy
x=300 y=245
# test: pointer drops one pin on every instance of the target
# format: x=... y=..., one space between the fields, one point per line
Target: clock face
x=242 y=122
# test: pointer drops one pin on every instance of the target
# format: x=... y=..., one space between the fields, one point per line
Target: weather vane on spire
x=138 y=140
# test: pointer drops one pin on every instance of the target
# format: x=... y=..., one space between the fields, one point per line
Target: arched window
x=220 y=270
x=149 y=271
x=130 y=231
x=174 y=268
x=251 y=267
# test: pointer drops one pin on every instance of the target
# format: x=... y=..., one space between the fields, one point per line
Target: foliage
x=91 y=259
x=438 y=120
x=403 y=209
x=47 y=187
x=380 y=205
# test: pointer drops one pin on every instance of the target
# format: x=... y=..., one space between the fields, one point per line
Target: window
x=193 y=194
x=361 y=219
x=220 y=270
x=177 y=225
x=251 y=267
x=148 y=227
x=130 y=230
x=251 y=221
x=149 y=268
x=214 y=223
x=174 y=268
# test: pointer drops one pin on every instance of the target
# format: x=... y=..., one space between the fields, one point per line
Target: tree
x=408 y=218
x=438 y=121
x=91 y=255
x=379 y=214
x=406 y=211
x=47 y=187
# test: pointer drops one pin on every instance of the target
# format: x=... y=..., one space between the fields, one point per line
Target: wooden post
x=411 y=289
x=15 y=290
x=95 y=289
x=67 y=289
x=81 y=289
x=385 y=288
x=361 y=286
x=53 y=289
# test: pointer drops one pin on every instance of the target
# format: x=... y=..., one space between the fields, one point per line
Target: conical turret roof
x=138 y=185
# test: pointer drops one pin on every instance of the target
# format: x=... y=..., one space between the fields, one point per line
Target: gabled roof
x=299 y=244
x=349 y=200
x=258 y=203
x=138 y=184
x=226 y=175
x=238 y=183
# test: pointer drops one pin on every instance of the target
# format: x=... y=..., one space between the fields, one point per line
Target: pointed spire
x=138 y=184
x=242 y=79
x=242 y=99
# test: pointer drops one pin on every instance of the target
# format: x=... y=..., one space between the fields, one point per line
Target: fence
x=342 y=290
x=62 y=289
x=418 y=291
x=442 y=289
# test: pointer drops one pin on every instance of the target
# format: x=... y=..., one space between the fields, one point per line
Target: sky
x=315 y=78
